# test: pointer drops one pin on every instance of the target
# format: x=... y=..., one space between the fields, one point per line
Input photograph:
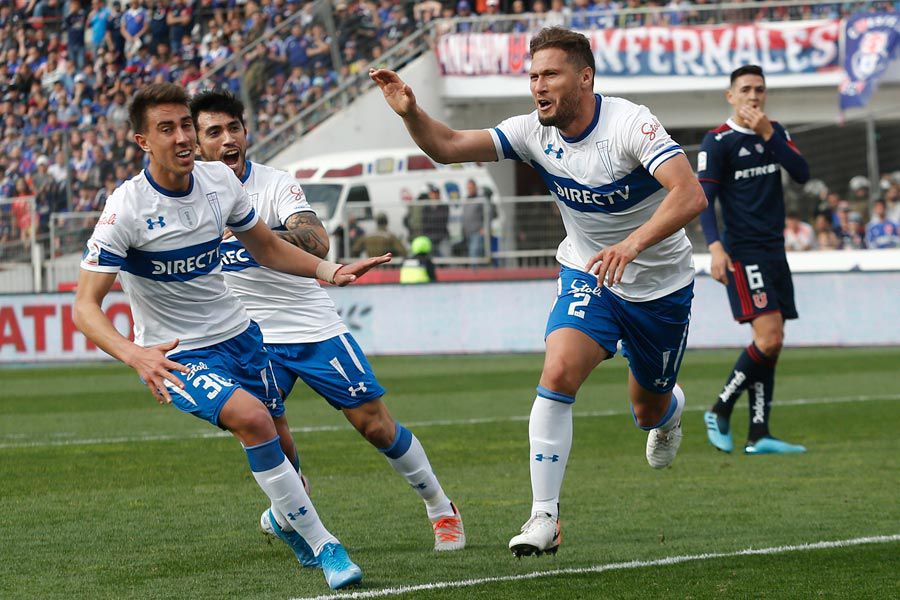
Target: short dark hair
x=217 y=101
x=150 y=96
x=747 y=70
x=576 y=46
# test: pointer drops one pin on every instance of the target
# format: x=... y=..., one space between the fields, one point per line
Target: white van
x=362 y=184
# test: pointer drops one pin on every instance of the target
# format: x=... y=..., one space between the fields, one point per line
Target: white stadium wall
x=859 y=306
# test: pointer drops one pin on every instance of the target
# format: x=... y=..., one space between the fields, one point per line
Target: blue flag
x=871 y=42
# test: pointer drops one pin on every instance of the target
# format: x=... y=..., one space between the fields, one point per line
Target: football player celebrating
x=195 y=345
x=302 y=331
x=625 y=191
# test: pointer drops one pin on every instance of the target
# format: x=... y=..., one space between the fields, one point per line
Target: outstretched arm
x=271 y=251
x=437 y=140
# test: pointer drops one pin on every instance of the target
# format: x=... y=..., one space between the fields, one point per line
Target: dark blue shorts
x=761 y=285
x=335 y=368
x=653 y=333
x=217 y=371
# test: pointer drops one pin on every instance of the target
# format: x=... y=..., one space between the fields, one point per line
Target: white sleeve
x=647 y=140
x=112 y=237
x=510 y=138
x=242 y=216
x=289 y=198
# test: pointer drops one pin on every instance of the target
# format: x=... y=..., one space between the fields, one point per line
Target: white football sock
x=412 y=464
x=282 y=485
x=550 y=435
x=672 y=421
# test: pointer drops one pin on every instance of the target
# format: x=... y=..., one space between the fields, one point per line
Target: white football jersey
x=165 y=247
x=288 y=309
x=603 y=182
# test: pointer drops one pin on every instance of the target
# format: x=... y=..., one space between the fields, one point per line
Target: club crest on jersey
x=760 y=300
x=759 y=148
x=605 y=158
x=213 y=199
x=188 y=217
x=550 y=150
x=159 y=222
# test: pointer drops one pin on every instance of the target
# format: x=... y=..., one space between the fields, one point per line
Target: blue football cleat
x=293 y=539
x=770 y=445
x=718 y=432
x=339 y=569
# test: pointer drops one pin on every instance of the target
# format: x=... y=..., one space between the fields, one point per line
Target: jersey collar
x=597 y=101
x=247 y=167
x=167 y=192
x=730 y=122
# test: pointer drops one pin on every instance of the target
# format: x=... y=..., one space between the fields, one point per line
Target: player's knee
x=557 y=376
x=378 y=432
x=647 y=414
x=254 y=421
x=771 y=343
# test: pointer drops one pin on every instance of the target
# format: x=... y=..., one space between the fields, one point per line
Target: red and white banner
x=41 y=328
x=782 y=48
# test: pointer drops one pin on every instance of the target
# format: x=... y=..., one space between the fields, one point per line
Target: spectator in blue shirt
x=882 y=232
x=98 y=21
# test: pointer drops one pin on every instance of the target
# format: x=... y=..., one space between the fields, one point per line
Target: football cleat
x=449 y=534
x=540 y=534
x=339 y=570
x=662 y=446
x=718 y=432
x=770 y=445
x=293 y=539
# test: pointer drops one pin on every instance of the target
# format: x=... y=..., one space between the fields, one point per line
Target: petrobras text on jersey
x=182 y=266
x=756 y=171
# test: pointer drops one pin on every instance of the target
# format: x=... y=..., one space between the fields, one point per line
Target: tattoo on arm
x=305 y=230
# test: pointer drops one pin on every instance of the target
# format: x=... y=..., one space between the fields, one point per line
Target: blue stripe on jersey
x=508 y=151
x=611 y=198
x=108 y=259
x=248 y=166
x=167 y=192
x=245 y=220
x=181 y=264
x=597 y=101
x=235 y=257
x=663 y=151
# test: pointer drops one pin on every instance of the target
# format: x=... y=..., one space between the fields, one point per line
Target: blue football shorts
x=653 y=333
x=335 y=368
x=217 y=371
x=760 y=285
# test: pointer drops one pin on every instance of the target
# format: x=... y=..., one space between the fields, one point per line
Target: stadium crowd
x=71 y=67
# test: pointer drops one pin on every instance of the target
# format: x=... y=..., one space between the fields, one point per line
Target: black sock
x=761 y=385
x=736 y=383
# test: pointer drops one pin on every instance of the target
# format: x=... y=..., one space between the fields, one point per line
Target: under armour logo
x=300 y=512
x=160 y=221
x=550 y=149
x=419 y=486
x=359 y=388
x=542 y=458
x=661 y=382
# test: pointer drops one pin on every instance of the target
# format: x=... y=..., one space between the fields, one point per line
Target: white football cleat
x=662 y=446
x=449 y=534
x=540 y=534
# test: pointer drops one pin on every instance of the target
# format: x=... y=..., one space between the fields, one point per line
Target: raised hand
x=154 y=369
x=399 y=96
x=347 y=274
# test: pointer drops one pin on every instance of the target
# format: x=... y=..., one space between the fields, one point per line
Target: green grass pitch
x=105 y=494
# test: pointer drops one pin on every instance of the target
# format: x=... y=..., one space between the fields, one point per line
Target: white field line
x=633 y=564
x=16 y=439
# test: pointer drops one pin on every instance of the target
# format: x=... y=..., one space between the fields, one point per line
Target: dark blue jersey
x=744 y=172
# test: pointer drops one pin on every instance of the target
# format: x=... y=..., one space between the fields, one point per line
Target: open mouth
x=544 y=104
x=185 y=155
x=231 y=157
